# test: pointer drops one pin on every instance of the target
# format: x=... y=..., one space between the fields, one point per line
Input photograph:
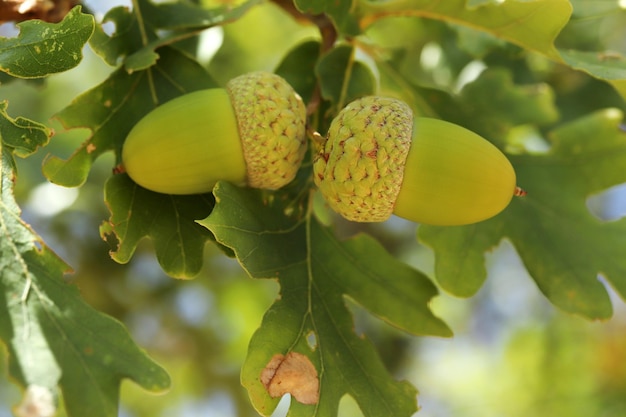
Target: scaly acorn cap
x=360 y=168
x=250 y=133
x=378 y=160
x=271 y=118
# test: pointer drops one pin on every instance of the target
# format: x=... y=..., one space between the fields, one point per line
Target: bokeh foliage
x=544 y=80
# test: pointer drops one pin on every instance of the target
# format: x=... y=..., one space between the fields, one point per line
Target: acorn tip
x=519 y=192
x=119 y=169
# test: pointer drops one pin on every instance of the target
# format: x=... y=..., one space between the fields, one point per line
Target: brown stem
x=328 y=33
x=519 y=192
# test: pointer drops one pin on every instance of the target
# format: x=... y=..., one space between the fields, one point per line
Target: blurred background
x=513 y=354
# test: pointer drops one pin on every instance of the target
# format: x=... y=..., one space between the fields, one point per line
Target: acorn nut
x=250 y=133
x=378 y=159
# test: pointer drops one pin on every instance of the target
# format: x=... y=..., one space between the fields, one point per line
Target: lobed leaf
x=52 y=336
x=125 y=37
x=135 y=36
x=168 y=220
x=46 y=48
x=316 y=272
x=563 y=246
x=21 y=137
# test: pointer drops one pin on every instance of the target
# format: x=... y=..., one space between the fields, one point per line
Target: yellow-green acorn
x=378 y=159
x=250 y=133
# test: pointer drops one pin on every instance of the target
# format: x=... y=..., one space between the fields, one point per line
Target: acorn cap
x=361 y=166
x=271 y=117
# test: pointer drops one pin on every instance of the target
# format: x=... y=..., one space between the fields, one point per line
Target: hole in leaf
x=109 y=28
x=349 y=407
x=610 y=204
x=311 y=340
x=282 y=408
x=9 y=30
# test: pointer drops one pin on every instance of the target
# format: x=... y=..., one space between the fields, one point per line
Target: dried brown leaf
x=292 y=374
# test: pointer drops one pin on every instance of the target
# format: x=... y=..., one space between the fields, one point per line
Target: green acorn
x=378 y=159
x=250 y=133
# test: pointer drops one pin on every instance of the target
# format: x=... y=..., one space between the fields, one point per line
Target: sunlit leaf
x=533 y=25
x=46 y=48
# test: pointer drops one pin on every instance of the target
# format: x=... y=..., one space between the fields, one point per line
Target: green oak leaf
x=188 y=15
x=592 y=26
x=22 y=137
x=610 y=67
x=44 y=48
x=563 y=246
x=298 y=68
x=340 y=12
x=125 y=38
x=135 y=36
x=52 y=336
x=492 y=104
x=316 y=273
x=168 y=220
x=533 y=25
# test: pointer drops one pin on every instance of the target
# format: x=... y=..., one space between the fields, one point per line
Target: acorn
x=252 y=133
x=379 y=160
